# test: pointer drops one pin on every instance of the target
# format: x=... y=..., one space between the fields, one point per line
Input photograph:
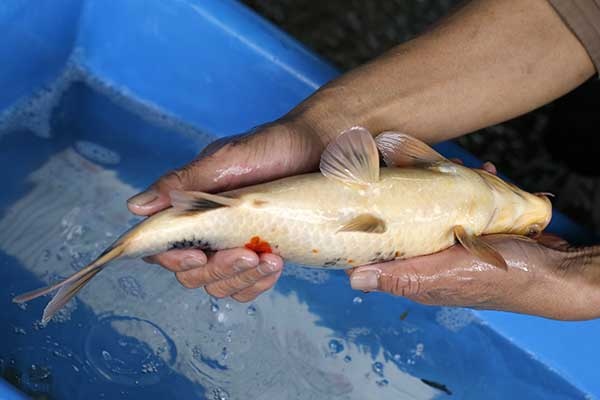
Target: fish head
x=535 y=215
x=516 y=211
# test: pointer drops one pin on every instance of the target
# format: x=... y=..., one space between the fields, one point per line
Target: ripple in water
x=130 y=351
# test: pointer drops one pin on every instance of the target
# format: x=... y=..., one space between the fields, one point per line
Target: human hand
x=269 y=152
x=547 y=278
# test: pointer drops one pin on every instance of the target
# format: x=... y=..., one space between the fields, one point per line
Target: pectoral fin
x=479 y=248
x=352 y=158
x=195 y=201
x=402 y=150
x=364 y=223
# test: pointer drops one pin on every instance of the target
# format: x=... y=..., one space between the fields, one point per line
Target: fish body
x=351 y=213
x=300 y=217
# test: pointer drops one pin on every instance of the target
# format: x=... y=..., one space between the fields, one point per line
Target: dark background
x=552 y=149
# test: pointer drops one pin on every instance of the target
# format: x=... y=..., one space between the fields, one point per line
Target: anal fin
x=479 y=248
x=367 y=223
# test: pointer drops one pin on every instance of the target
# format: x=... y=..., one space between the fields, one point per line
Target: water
x=69 y=158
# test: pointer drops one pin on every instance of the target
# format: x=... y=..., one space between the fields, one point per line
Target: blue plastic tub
x=98 y=99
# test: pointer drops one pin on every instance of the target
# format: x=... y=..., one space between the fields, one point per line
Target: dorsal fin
x=402 y=150
x=196 y=201
x=352 y=158
x=364 y=223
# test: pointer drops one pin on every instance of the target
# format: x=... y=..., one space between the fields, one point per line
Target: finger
x=410 y=277
x=269 y=264
x=221 y=266
x=252 y=292
x=179 y=260
x=489 y=167
x=156 y=197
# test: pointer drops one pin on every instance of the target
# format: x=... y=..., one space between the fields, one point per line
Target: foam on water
x=455 y=319
x=34 y=113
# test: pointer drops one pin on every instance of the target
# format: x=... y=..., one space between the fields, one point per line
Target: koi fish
x=351 y=213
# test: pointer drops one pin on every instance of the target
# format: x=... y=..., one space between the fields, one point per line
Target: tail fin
x=73 y=284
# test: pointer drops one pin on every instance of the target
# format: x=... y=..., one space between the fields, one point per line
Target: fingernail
x=242 y=264
x=191 y=262
x=267 y=267
x=364 y=280
x=143 y=198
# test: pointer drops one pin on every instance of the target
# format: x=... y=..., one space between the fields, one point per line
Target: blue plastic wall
x=238 y=71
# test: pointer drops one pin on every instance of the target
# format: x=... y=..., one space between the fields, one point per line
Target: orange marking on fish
x=258 y=245
x=316 y=251
x=350 y=261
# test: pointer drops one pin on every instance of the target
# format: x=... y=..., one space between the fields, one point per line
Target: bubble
x=97 y=153
x=377 y=368
x=64 y=314
x=357 y=300
x=347 y=359
x=418 y=352
x=19 y=330
x=37 y=378
x=251 y=310
x=46 y=254
x=335 y=346
x=218 y=394
x=129 y=351
x=214 y=306
x=37 y=367
x=382 y=382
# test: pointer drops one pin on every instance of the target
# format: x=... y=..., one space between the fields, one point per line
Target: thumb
x=270 y=152
x=409 y=277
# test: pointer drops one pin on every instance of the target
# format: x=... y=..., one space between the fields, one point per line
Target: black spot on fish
x=380 y=257
x=437 y=386
x=191 y=243
x=332 y=263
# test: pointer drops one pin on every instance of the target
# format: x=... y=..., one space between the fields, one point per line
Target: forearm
x=489 y=61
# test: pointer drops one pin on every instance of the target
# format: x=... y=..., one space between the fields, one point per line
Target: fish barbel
x=351 y=213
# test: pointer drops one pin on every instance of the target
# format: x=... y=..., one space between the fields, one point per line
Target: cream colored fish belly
x=300 y=218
